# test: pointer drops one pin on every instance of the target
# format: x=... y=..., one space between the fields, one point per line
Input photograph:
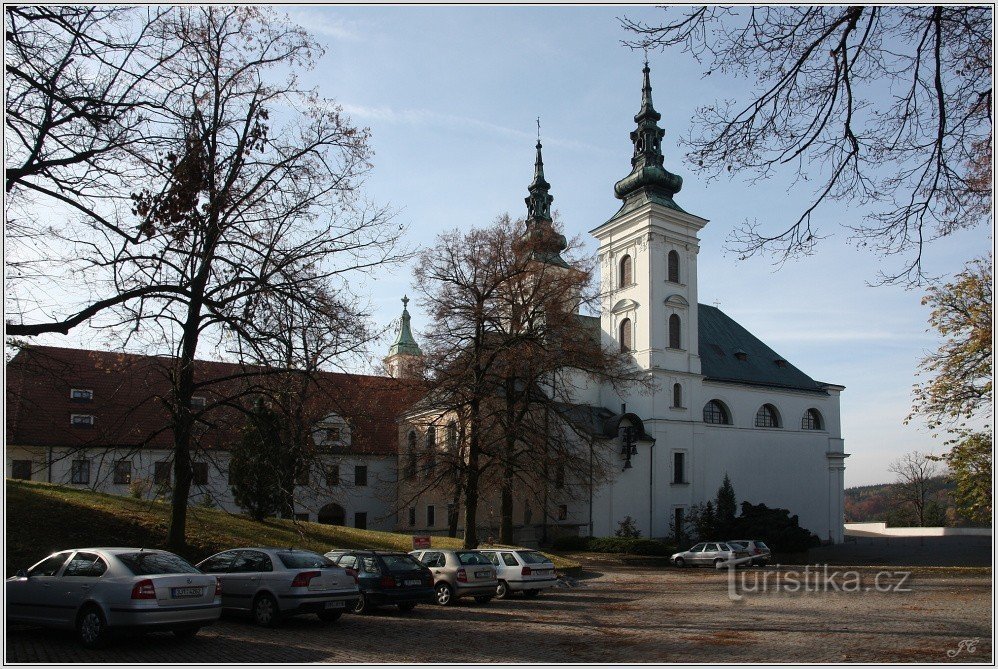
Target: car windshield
x=303 y=560
x=532 y=557
x=401 y=563
x=470 y=557
x=762 y=544
x=146 y=564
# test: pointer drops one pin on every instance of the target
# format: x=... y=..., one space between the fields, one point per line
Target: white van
x=521 y=570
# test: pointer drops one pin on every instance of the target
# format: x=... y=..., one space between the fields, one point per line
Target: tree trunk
x=506 y=514
x=455 y=508
x=471 y=484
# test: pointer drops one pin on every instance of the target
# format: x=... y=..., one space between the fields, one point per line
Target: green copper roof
x=546 y=244
x=721 y=338
x=648 y=181
x=405 y=343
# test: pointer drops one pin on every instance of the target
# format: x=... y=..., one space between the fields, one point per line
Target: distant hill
x=877 y=503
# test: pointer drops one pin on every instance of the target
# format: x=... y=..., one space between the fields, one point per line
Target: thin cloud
x=822 y=336
x=323 y=23
x=426 y=117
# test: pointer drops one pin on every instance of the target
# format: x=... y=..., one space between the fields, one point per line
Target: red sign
x=420 y=542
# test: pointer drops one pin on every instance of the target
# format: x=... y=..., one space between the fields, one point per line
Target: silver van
x=521 y=570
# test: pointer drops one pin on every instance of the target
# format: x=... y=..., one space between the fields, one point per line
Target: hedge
x=633 y=546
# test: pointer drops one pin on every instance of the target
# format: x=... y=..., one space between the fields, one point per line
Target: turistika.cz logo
x=813 y=579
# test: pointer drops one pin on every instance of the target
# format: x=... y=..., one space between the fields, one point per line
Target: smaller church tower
x=405 y=359
x=544 y=242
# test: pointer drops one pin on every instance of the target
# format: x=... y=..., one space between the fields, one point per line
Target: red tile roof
x=129 y=408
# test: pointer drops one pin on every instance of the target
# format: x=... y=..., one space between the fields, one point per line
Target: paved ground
x=624 y=615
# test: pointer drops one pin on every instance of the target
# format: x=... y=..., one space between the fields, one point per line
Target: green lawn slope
x=43 y=518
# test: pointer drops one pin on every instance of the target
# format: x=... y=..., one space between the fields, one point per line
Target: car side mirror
x=21 y=573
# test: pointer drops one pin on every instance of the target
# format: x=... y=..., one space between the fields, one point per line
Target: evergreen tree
x=255 y=468
x=727 y=506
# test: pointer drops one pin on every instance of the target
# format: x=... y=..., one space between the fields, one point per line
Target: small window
x=162 y=473
x=82 y=420
x=679 y=467
x=509 y=560
x=360 y=520
x=123 y=472
x=333 y=475
x=528 y=513
x=766 y=416
x=431 y=515
x=412 y=516
x=677 y=396
x=716 y=413
x=626 y=273
x=673 y=267
x=625 y=335
x=559 y=475
x=197 y=402
x=675 y=338
x=80 y=472
x=332 y=433
x=563 y=512
x=348 y=561
x=21 y=469
x=360 y=475
x=200 y=471
x=81 y=395
x=812 y=420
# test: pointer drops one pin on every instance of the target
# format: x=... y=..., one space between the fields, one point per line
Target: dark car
x=387 y=577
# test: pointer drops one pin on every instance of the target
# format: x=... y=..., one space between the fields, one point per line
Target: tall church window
x=673 y=267
x=766 y=416
x=452 y=436
x=431 y=450
x=675 y=341
x=717 y=413
x=626 y=273
x=410 y=463
x=811 y=420
x=677 y=395
x=625 y=336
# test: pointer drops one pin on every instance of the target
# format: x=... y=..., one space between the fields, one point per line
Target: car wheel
x=361 y=606
x=186 y=632
x=502 y=590
x=265 y=611
x=91 y=628
x=530 y=594
x=483 y=599
x=680 y=562
x=330 y=616
x=405 y=607
x=445 y=594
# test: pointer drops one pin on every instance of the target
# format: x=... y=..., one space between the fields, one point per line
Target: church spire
x=648 y=177
x=541 y=241
x=405 y=343
x=539 y=200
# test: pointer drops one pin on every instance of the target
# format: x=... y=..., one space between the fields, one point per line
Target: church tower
x=648 y=261
x=405 y=359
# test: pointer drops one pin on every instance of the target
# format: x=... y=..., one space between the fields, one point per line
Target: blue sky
x=450 y=95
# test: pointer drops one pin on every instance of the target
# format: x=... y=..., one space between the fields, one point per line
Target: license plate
x=543 y=572
x=178 y=593
x=415 y=582
x=482 y=574
x=335 y=605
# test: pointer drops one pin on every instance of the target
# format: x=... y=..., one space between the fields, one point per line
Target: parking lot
x=613 y=614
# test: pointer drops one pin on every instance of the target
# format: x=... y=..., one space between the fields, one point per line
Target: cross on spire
x=405 y=302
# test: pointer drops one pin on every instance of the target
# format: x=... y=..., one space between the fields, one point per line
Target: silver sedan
x=272 y=583
x=100 y=591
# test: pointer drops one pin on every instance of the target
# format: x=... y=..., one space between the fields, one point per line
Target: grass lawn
x=43 y=518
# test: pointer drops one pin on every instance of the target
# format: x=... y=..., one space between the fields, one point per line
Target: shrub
x=781 y=531
x=629 y=545
x=628 y=529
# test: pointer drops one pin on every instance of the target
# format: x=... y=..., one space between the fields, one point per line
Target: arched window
x=715 y=412
x=675 y=341
x=812 y=420
x=626 y=275
x=625 y=335
x=431 y=450
x=677 y=395
x=332 y=514
x=673 y=267
x=410 y=462
x=766 y=416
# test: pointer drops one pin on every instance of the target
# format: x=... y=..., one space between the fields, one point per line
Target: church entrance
x=332 y=514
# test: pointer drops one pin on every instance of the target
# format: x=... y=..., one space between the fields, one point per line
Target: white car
x=521 y=570
x=716 y=553
x=99 y=591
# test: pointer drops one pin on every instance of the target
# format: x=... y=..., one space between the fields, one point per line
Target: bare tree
x=912 y=486
x=885 y=107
